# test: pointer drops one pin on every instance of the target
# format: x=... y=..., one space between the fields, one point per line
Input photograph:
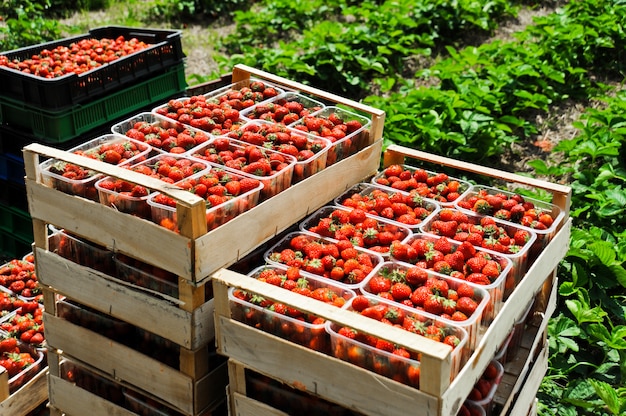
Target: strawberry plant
x=27 y=23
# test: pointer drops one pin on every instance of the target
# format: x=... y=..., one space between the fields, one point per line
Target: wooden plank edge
x=428 y=347
x=73 y=400
x=524 y=402
x=28 y=397
x=119 y=232
x=533 y=338
x=120 y=362
x=210 y=390
x=242 y=72
x=265 y=354
x=499 y=329
x=245 y=406
x=190 y=330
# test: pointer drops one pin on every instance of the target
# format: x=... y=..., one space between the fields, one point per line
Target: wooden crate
x=518 y=388
x=190 y=388
x=27 y=398
x=192 y=254
x=67 y=398
x=437 y=395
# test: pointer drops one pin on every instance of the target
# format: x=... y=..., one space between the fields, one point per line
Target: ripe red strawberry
x=434 y=304
x=491 y=372
x=466 y=305
x=521 y=237
x=379 y=284
x=458 y=316
x=359 y=303
x=481 y=206
x=420 y=295
x=492 y=270
x=375 y=312
x=465 y=290
x=416 y=276
x=400 y=291
x=444 y=245
x=452 y=340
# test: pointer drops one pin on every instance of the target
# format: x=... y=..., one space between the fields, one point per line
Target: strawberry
x=481 y=206
x=375 y=312
x=420 y=295
x=466 y=305
x=452 y=340
x=434 y=304
x=400 y=291
x=378 y=284
x=491 y=372
x=359 y=303
x=521 y=237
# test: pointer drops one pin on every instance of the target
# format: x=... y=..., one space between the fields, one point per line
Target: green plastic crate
x=13 y=247
x=16 y=222
x=58 y=127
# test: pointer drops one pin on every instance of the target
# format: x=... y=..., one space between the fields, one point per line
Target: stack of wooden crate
x=193 y=254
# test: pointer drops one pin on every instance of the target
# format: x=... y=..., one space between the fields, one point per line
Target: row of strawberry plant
x=485 y=97
x=25 y=23
x=587 y=373
x=482 y=100
x=345 y=46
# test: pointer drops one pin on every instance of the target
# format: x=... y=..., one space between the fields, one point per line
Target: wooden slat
x=518 y=371
x=232 y=241
x=28 y=397
x=121 y=362
x=245 y=406
x=524 y=401
x=438 y=352
x=211 y=389
x=4 y=384
x=115 y=230
x=395 y=154
x=310 y=370
x=75 y=401
x=190 y=330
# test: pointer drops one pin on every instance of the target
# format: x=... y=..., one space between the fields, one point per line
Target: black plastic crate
x=71 y=89
x=13 y=194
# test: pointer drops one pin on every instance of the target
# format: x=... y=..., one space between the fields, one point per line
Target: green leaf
x=608 y=395
x=620 y=273
x=604 y=250
x=583 y=314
